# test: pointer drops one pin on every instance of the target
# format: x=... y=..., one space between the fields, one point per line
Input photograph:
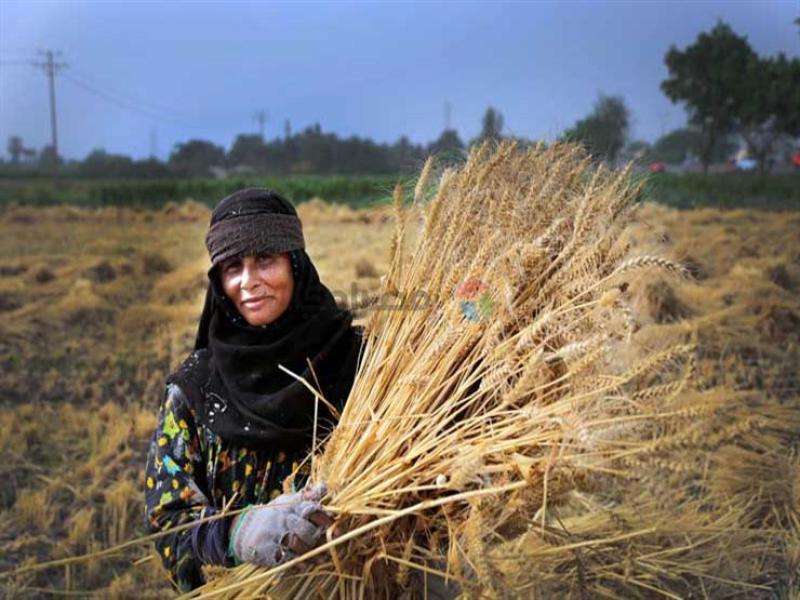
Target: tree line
x=729 y=93
x=310 y=151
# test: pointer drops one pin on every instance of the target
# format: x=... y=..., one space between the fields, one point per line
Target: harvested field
x=97 y=305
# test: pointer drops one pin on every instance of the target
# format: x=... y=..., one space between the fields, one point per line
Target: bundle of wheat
x=504 y=431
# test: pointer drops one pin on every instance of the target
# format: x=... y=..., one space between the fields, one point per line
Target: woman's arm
x=176 y=494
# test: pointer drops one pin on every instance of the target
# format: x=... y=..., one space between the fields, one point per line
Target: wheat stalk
x=489 y=435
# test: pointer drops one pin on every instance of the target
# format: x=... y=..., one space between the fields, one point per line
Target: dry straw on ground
x=506 y=432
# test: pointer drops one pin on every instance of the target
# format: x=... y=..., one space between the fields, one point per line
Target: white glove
x=273 y=533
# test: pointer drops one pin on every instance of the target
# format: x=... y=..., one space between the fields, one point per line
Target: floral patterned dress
x=192 y=473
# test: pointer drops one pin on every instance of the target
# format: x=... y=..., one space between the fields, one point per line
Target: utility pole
x=153 y=143
x=261 y=117
x=51 y=68
x=447 y=110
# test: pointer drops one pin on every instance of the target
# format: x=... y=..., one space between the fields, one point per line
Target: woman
x=233 y=426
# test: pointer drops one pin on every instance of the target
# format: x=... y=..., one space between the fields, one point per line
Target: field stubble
x=97 y=305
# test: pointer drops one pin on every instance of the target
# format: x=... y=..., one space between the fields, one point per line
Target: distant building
x=237 y=171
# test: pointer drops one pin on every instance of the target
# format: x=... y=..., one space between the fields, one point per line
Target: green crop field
x=694 y=190
x=154 y=193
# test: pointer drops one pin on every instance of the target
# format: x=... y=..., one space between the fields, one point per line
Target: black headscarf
x=232 y=379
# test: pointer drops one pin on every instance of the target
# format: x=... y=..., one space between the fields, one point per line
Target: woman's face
x=259 y=286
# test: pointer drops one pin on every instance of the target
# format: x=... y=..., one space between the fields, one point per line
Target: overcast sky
x=153 y=74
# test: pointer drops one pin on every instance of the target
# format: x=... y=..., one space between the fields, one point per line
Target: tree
x=149 y=168
x=769 y=105
x=684 y=143
x=681 y=144
x=707 y=78
x=447 y=144
x=491 y=126
x=100 y=163
x=637 y=150
x=605 y=130
x=195 y=158
x=48 y=159
x=405 y=156
x=248 y=150
x=677 y=145
x=15 y=148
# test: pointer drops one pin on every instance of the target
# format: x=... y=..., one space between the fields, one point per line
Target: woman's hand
x=288 y=526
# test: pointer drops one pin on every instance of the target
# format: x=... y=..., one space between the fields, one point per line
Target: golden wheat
x=535 y=415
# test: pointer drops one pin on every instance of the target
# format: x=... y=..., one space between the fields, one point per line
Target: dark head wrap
x=232 y=378
x=240 y=226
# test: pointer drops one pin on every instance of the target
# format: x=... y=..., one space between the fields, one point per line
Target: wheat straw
x=506 y=434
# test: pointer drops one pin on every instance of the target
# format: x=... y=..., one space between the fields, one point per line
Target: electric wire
x=119 y=102
x=130 y=98
x=16 y=63
x=114 y=96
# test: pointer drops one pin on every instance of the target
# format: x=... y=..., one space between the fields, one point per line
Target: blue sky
x=144 y=73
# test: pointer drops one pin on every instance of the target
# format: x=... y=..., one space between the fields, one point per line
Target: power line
x=147 y=104
x=120 y=99
x=21 y=49
x=53 y=67
x=107 y=97
x=99 y=85
x=118 y=102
